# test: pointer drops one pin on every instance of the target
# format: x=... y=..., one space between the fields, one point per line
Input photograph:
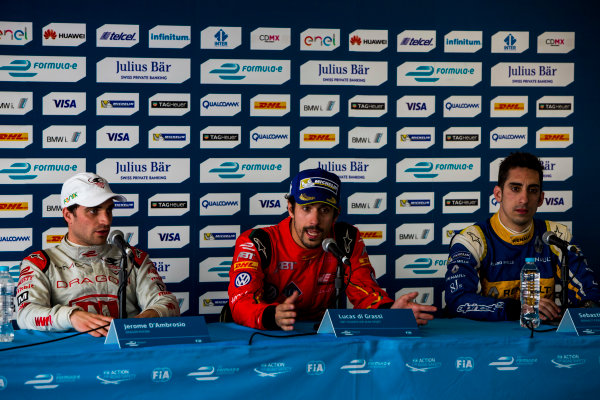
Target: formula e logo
x=504 y=363
x=42 y=381
x=242 y=279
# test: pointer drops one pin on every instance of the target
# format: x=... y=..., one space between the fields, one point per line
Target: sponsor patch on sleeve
x=242 y=279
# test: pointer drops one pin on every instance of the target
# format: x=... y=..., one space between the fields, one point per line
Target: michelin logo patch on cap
x=316 y=186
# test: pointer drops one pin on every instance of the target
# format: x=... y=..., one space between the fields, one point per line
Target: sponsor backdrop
x=200 y=114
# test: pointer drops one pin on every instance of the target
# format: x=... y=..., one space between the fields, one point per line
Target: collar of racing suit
x=83 y=253
x=508 y=235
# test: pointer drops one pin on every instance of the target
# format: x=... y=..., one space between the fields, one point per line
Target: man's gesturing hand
x=285 y=316
x=84 y=321
x=419 y=310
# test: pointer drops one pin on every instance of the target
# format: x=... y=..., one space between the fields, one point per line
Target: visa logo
x=169 y=237
x=270 y=203
x=64 y=103
x=118 y=136
x=554 y=201
x=416 y=106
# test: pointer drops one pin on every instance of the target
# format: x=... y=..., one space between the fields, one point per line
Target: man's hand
x=84 y=321
x=147 y=314
x=549 y=311
x=419 y=310
x=285 y=314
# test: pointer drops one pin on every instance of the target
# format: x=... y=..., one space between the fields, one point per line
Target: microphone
x=550 y=238
x=330 y=246
x=116 y=238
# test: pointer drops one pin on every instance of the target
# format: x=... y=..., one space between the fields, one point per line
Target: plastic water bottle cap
x=530 y=259
x=3 y=268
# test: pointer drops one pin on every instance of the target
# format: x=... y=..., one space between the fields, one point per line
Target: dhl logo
x=554 y=137
x=245 y=265
x=14 y=137
x=270 y=105
x=22 y=206
x=319 y=137
x=509 y=106
x=54 y=238
x=371 y=235
x=364 y=261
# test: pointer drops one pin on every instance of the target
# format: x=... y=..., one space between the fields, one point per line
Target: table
x=454 y=358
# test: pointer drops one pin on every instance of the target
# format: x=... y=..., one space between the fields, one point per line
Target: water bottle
x=530 y=294
x=7 y=292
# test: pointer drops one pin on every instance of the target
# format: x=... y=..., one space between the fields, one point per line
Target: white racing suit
x=55 y=282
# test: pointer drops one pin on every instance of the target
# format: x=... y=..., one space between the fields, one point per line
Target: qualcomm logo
x=358 y=366
x=42 y=381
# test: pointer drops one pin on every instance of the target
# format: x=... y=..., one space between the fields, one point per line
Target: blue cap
x=316 y=186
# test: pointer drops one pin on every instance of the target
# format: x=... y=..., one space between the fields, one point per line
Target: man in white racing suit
x=75 y=284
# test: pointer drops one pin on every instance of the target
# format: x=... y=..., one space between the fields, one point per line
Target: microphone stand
x=122 y=291
x=564 y=272
x=339 y=283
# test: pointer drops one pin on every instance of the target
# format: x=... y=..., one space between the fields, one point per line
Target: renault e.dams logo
x=228 y=71
x=227 y=170
x=19 y=67
x=421 y=169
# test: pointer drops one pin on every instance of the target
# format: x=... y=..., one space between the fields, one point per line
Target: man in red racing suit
x=281 y=273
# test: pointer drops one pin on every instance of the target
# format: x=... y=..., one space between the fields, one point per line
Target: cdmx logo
x=423 y=74
x=18 y=168
x=227 y=170
x=228 y=71
x=19 y=66
x=420 y=266
x=421 y=170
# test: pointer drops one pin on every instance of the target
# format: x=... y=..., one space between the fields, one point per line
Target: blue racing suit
x=484 y=266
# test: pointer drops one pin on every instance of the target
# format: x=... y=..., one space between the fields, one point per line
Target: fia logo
x=315 y=368
x=465 y=364
x=161 y=375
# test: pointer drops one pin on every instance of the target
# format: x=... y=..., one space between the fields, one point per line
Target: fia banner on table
x=146 y=332
x=385 y=322
x=580 y=321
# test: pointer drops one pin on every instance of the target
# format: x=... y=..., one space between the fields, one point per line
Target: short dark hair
x=519 y=159
x=72 y=209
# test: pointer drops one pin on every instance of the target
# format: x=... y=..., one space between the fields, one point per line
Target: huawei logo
x=355 y=40
x=50 y=34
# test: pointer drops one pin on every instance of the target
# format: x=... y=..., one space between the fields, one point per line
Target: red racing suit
x=256 y=289
x=57 y=281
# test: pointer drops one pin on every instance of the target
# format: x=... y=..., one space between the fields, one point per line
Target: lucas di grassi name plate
x=379 y=322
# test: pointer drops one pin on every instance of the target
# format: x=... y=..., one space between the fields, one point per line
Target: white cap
x=86 y=189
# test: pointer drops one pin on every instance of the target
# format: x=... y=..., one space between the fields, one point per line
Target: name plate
x=146 y=332
x=386 y=322
x=581 y=321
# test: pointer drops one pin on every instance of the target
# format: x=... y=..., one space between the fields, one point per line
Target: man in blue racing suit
x=485 y=261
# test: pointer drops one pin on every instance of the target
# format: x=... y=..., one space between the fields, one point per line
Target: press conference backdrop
x=200 y=112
